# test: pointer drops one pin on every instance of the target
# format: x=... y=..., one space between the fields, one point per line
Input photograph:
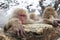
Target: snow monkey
x=22 y=15
x=15 y=23
x=49 y=16
x=33 y=16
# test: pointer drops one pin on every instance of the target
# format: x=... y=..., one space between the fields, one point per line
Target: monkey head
x=33 y=16
x=48 y=12
x=20 y=13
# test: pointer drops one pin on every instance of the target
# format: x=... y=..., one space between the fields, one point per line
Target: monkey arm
x=48 y=21
x=15 y=27
x=19 y=31
x=51 y=22
x=58 y=20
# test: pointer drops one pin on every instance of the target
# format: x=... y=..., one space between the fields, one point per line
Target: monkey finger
x=16 y=31
x=21 y=32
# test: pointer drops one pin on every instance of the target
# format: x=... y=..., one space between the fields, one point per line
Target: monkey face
x=22 y=16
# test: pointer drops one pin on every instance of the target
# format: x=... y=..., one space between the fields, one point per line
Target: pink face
x=21 y=16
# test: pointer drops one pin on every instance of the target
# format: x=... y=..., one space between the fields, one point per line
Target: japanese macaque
x=33 y=16
x=14 y=26
x=22 y=15
x=16 y=21
x=49 y=16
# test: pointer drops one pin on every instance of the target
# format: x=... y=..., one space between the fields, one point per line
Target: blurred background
x=36 y=6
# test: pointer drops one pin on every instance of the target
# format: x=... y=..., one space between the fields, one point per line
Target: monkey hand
x=19 y=31
x=55 y=23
